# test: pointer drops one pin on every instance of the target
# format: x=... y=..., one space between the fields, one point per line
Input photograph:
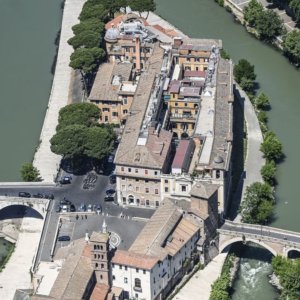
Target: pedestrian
x=81 y=217
x=85 y=216
x=77 y=217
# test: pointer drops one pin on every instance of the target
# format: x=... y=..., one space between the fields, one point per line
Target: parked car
x=111 y=158
x=24 y=194
x=49 y=196
x=65 y=180
x=110 y=192
x=99 y=209
x=72 y=208
x=38 y=195
x=65 y=208
x=58 y=209
x=90 y=208
x=65 y=202
x=109 y=198
x=112 y=179
x=64 y=238
x=82 y=207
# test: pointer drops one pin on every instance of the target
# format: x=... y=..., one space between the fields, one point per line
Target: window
x=137 y=283
x=105 y=109
x=156 y=191
x=136 y=170
x=144 y=271
x=147 y=202
x=176 y=104
x=95 y=256
x=157 y=203
x=106 y=119
x=123 y=178
x=120 y=267
x=113 y=265
x=125 y=112
x=137 y=180
x=185 y=104
x=147 y=190
x=183 y=188
x=125 y=101
x=122 y=169
x=114 y=277
x=96 y=265
x=155 y=172
x=101 y=277
x=129 y=170
x=124 y=200
x=137 y=189
x=137 y=270
x=146 y=172
x=166 y=189
x=102 y=266
x=166 y=181
x=146 y=180
x=125 y=268
x=137 y=201
x=114 y=114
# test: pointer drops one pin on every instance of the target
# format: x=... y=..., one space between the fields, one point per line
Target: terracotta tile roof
x=100 y=292
x=189 y=73
x=204 y=190
x=135 y=260
x=99 y=237
x=181 y=153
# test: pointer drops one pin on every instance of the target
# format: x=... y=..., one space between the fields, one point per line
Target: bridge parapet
x=277 y=241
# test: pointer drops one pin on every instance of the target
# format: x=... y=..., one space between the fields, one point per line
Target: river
x=27 y=33
x=281 y=82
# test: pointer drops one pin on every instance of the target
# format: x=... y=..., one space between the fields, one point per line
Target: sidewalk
x=199 y=286
x=44 y=160
x=16 y=274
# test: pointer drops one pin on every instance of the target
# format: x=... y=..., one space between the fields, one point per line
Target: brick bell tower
x=99 y=242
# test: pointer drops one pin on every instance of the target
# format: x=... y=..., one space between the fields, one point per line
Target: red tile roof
x=100 y=292
x=180 y=154
x=189 y=73
x=135 y=260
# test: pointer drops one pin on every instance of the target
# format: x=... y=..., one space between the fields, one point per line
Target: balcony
x=137 y=289
x=189 y=117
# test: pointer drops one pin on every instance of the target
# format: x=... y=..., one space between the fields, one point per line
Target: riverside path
x=45 y=160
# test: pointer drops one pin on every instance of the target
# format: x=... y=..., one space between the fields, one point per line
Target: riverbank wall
x=45 y=160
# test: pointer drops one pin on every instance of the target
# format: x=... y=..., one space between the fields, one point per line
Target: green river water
x=27 y=33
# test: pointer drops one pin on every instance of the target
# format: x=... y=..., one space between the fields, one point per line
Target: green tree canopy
x=69 y=141
x=257 y=205
x=247 y=84
x=291 y=46
x=100 y=141
x=86 y=39
x=93 y=24
x=271 y=147
x=268 y=172
x=142 y=5
x=262 y=117
x=244 y=70
x=269 y=25
x=295 y=6
x=252 y=12
x=91 y=10
x=262 y=102
x=30 y=173
x=86 y=114
x=87 y=59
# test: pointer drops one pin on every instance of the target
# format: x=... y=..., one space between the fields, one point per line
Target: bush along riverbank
x=287 y=277
x=267 y=26
x=9 y=249
x=221 y=288
x=258 y=204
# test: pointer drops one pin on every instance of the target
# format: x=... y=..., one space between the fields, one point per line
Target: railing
x=183 y=116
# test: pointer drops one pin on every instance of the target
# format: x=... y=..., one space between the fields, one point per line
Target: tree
x=86 y=114
x=271 y=147
x=224 y=54
x=291 y=46
x=69 y=141
x=91 y=10
x=257 y=205
x=86 y=39
x=252 y=12
x=262 y=117
x=262 y=102
x=30 y=173
x=268 y=172
x=93 y=24
x=243 y=70
x=269 y=25
x=295 y=7
x=247 y=85
x=86 y=59
x=142 y=5
x=99 y=142
x=220 y=289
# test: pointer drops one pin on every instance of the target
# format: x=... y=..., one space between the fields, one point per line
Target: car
x=58 y=208
x=24 y=194
x=49 y=196
x=99 y=209
x=64 y=238
x=72 y=208
x=65 y=202
x=111 y=158
x=90 y=208
x=65 y=208
x=65 y=180
x=82 y=207
x=109 y=198
x=110 y=192
x=38 y=195
x=112 y=179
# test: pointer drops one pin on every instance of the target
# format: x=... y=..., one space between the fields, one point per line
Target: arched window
x=96 y=265
x=137 y=283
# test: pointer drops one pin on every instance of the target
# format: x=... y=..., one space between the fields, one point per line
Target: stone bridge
x=39 y=205
x=277 y=241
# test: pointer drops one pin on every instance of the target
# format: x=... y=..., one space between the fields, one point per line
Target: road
x=77 y=195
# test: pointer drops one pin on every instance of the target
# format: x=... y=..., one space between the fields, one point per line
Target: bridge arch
x=231 y=241
x=289 y=251
x=15 y=210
